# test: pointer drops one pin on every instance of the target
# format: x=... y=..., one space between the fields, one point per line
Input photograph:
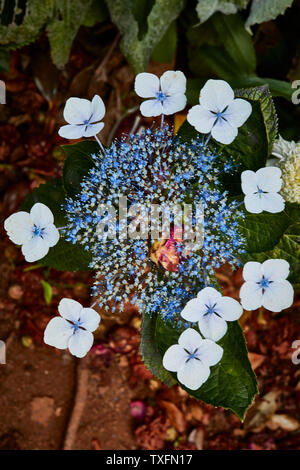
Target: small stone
x=42 y=410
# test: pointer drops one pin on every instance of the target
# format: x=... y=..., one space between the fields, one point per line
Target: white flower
x=266 y=285
x=212 y=311
x=191 y=358
x=168 y=92
x=261 y=190
x=218 y=112
x=83 y=117
x=35 y=231
x=73 y=329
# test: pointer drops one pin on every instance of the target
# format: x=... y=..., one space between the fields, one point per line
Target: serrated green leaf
x=64 y=256
x=232 y=383
x=266 y=10
x=77 y=164
x=36 y=16
x=48 y=293
x=256 y=137
x=263 y=231
x=136 y=50
x=205 y=9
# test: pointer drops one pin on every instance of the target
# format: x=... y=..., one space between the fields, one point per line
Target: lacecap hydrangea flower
x=266 y=285
x=167 y=93
x=192 y=358
x=73 y=329
x=212 y=311
x=261 y=190
x=218 y=112
x=35 y=231
x=84 y=118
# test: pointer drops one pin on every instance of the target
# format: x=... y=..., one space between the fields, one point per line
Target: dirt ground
x=48 y=399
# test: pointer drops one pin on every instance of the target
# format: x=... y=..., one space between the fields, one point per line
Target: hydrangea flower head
x=159 y=275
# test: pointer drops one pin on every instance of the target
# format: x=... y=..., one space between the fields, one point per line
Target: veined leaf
x=266 y=10
x=149 y=352
x=136 y=50
x=77 y=164
x=232 y=382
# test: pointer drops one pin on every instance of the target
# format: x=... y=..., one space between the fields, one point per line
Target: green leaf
x=4 y=59
x=266 y=10
x=166 y=48
x=263 y=231
x=47 y=291
x=136 y=50
x=52 y=195
x=237 y=42
x=62 y=29
x=256 y=137
x=149 y=352
x=77 y=164
x=205 y=9
x=274 y=236
x=232 y=383
x=64 y=256
x=35 y=17
x=67 y=257
x=97 y=13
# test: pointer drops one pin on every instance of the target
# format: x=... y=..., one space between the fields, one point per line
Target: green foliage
x=256 y=137
x=138 y=50
x=36 y=15
x=205 y=9
x=48 y=293
x=77 y=164
x=62 y=18
x=266 y=10
x=237 y=43
x=274 y=236
x=166 y=48
x=64 y=256
x=149 y=352
x=231 y=384
x=4 y=60
x=260 y=10
x=223 y=48
x=62 y=29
